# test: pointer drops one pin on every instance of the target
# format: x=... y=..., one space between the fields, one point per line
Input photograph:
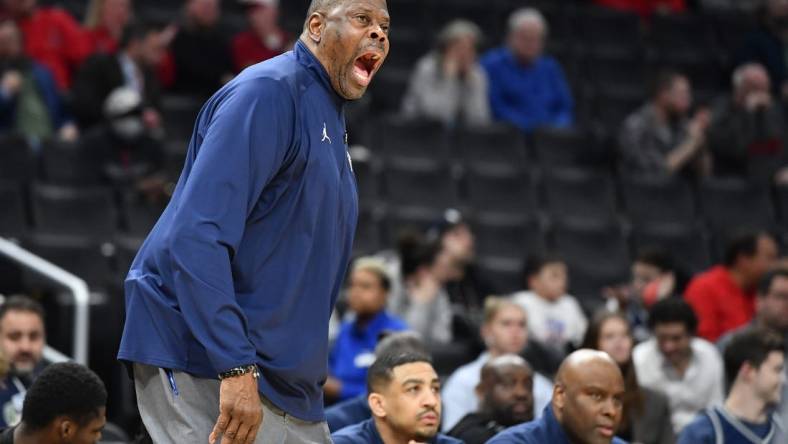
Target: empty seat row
x=81 y=211
x=568 y=193
x=397 y=138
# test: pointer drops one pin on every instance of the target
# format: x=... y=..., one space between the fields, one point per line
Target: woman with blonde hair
x=646 y=414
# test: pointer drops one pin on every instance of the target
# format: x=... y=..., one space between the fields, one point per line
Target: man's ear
x=377 y=404
x=66 y=428
x=559 y=394
x=315 y=26
x=746 y=372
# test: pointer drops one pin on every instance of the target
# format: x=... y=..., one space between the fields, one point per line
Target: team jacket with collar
x=246 y=262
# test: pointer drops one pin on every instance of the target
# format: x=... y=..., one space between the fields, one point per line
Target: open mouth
x=365 y=67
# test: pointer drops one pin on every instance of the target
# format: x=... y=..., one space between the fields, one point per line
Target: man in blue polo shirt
x=231 y=293
x=405 y=399
x=586 y=407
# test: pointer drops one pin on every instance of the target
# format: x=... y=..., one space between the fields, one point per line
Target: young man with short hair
x=404 y=396
x=66 y=405
x=686 y=369
x=754 y=365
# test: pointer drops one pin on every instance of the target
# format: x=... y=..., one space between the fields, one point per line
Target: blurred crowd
x=99 y=84
x=668 y=334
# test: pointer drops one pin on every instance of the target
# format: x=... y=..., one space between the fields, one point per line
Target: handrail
x=78 y=287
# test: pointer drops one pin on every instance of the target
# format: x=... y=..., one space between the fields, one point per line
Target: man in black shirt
x=506 y=394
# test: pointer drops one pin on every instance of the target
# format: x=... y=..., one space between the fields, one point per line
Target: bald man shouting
x=586 y=406
x=228 y=300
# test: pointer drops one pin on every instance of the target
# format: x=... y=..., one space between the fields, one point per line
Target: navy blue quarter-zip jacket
x=246 y=262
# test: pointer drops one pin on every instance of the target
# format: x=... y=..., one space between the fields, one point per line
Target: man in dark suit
x=142 y=46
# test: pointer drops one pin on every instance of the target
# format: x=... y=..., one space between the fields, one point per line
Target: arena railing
x=77 y=287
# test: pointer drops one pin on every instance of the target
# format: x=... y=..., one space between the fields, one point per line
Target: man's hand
x=240 y=411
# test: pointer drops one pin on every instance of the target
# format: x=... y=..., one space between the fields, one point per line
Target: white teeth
x=375 y=57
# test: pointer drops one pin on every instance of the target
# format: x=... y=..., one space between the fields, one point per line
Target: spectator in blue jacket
x=754 y=365
x=405 y=399
x=30 y=103
x=354 y=348
x=229 y=298
x=527 y=88
x=586 y=408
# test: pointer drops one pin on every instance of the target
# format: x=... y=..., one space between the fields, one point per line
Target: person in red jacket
x=646 y=7
x=52 y=37
x=104 y=23
x=264 y=39
x=724 y=296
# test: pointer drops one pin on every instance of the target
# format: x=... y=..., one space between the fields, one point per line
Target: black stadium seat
x=497 y=145
x=69 y=164
x=508 y=190
x=670 y=34
x=125 y=250
x=505 y=273
x=16 y=159
x=562 y=147
x=782 y=203
x=139 y=214
x=420 y=184
x=409 y=220
x=368 y=234
x=507 y=236
x=609 y=73
x=688 y=246
x=658 y=200
x=13 y=215
x=731 y=205
x=597 y=255
x=80 y=255
x=75 y=211
x=412 y=139
x=579 y=194
x=388 y=89
x=180 y=113
x=610 y=32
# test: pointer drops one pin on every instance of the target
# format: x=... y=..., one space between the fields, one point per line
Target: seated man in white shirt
x=555 y=318
x=504 y=332
x=687 y=369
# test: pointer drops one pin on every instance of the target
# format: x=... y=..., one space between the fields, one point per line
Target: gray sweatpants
x=190 y=416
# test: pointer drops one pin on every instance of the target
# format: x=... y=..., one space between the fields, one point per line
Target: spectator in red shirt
x=104 y=23
x=724 y=296
x=52 y=37
x=264 y=39
x=646 y=7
